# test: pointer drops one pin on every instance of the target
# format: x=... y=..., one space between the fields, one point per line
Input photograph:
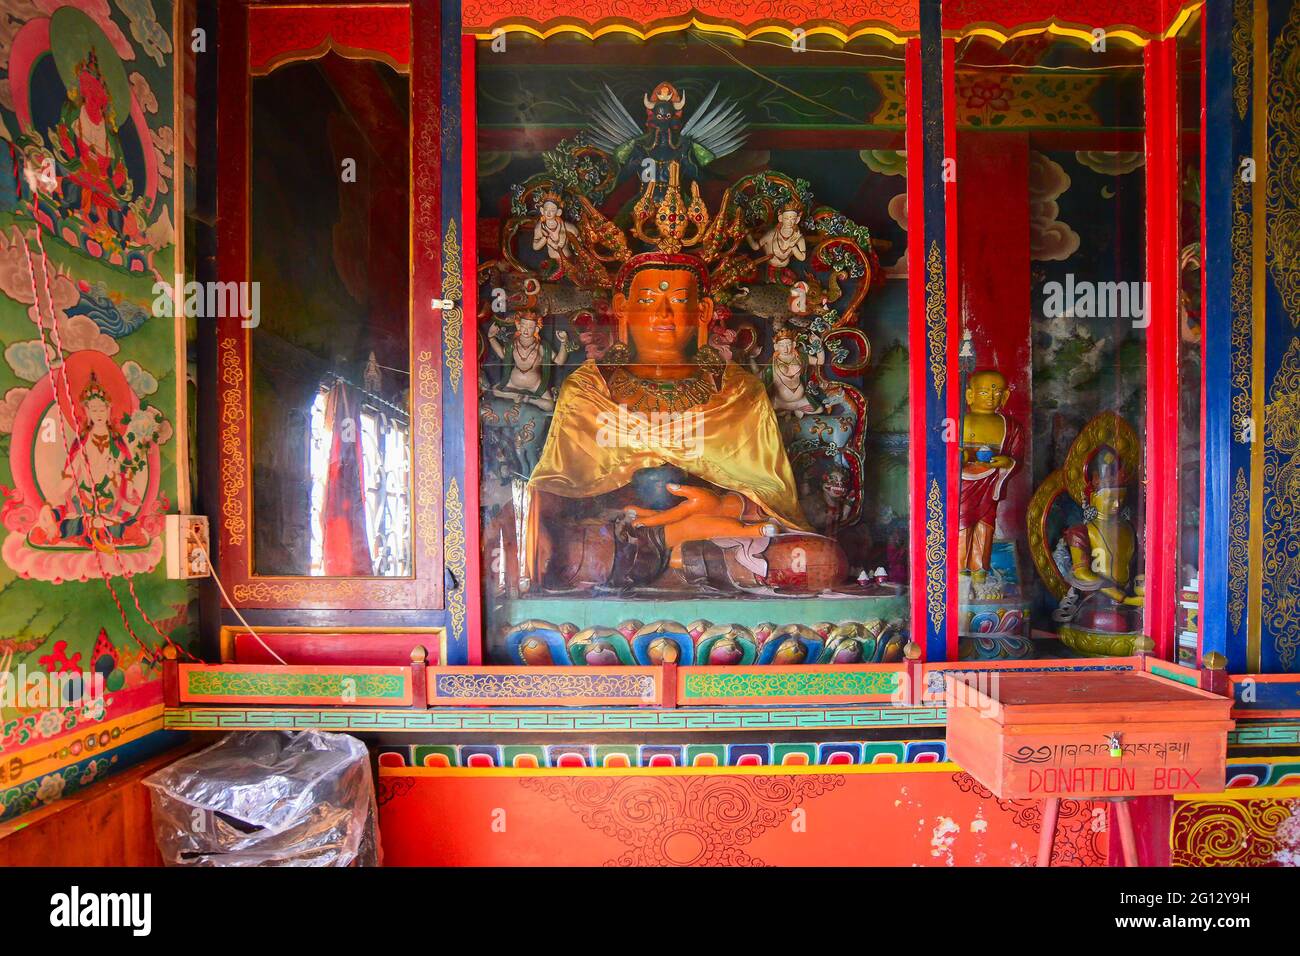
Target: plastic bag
x=268 y=798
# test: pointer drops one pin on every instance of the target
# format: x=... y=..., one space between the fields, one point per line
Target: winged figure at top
x=715 y=129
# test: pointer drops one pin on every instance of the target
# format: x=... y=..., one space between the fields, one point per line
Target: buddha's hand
x=702 y=516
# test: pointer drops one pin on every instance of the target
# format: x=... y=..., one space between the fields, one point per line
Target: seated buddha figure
x=1097 y=557
x=664 y=465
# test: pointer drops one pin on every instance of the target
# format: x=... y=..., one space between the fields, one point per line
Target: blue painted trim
x=1217 y=325
x=936 y=400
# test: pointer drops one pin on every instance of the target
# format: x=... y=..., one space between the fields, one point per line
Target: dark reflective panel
x=330 y=247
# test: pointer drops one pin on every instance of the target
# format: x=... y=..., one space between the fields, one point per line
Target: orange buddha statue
x=683 y=448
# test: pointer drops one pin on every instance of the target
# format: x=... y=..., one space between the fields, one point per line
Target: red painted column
x=469 y=309
x=953 y=276
x=1161 y=80
x=916 y=339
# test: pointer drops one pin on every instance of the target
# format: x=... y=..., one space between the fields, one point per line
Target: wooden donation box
x=1077 y=735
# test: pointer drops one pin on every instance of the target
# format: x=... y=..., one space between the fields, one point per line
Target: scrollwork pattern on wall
x=1281 y=550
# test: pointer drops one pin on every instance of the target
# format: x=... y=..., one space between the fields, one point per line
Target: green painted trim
x=496 y=720
x=787 y=684
x=218 y=683
x=1173 y=675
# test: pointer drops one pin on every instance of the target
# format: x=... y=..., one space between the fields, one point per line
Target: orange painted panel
x=785 y=816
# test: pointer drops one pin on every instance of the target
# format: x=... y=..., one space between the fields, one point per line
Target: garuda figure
x=713 y=131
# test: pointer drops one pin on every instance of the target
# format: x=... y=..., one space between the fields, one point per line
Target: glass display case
x=693 y=348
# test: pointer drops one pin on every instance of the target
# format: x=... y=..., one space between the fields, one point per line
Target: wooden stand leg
x=1047 y=836
x=1126 y=838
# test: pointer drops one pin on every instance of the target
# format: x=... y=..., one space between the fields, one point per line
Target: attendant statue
x=1097 y=557
x=1090 y=568
x=679 y=452
x=552 y=231
x=528 y=361
x=991 y=449
x=791 y=390
x=783 y=241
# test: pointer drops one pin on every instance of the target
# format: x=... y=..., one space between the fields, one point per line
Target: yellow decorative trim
x=1240 y=41
x=41 y=758
x=428 y=471
x=1258 y=260
x=310 y=590
x=1282 y=192
x=1241 y=299
x=452 y=319
x=233 y=464
x=1281 y=573
x=640 y=32
x=1238 y=563
x=1240 y=793
x=454 y=555
x=936 y=318
x=767 y=770
x=936 y=553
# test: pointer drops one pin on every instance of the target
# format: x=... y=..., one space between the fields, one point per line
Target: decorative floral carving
x=936 y=552
x=580 y=683
x=1238 y=563
x=786 y=684
x=454 y=555
x=452 y=289
x=1281 y=545
x=271 y=684
x=936 y=318
x=687 y=820
x=233 y=464
x=1235 y=833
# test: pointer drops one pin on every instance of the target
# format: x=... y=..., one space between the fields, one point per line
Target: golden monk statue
x=682 y=449
x=991 y=448
x=1097 y=557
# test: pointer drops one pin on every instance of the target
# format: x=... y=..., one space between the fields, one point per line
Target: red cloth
x=980 y=496
x=343 y=519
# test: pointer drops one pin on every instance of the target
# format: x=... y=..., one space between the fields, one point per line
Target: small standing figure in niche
x=528 y=361
x=553 y=232
x=991 y=448
x=783 y=241
x=789 y=384
x=1097 y=557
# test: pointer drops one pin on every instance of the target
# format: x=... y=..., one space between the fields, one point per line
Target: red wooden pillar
x=1162 y=182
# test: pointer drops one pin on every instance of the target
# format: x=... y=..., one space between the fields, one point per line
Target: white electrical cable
x=212 y=569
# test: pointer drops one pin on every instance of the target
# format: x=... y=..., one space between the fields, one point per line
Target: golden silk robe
x=732 y=441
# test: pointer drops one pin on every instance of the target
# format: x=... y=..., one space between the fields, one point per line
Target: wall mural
x=88 y=464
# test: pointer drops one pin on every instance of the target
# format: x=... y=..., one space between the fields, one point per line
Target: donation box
x=1092 y=734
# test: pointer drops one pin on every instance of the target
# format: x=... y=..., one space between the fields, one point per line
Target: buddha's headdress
x=93 y=390
x=1106 y=471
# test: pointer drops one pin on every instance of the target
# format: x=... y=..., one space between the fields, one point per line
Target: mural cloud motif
x=78 y=332
x=140 y=380
x=144 y=93
x=1049 y=237
x=1110 y=162
x=887 y=162
x=153 y=39
x=9 y=408
x=26 y=360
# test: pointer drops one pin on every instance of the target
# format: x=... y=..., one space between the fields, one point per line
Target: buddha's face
x=789 y=219
x=986 y=392
x=96 y=413
x=550 y=211
x=1108 y=501
x=663 y=311
x=527 y=328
